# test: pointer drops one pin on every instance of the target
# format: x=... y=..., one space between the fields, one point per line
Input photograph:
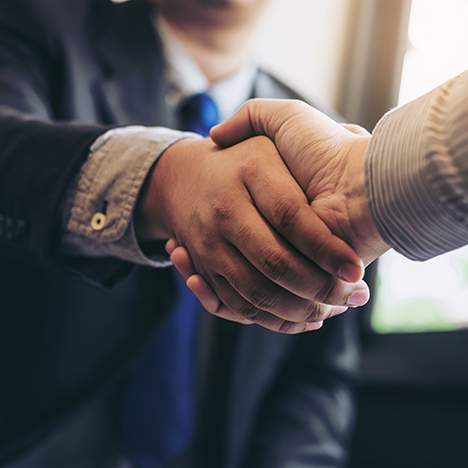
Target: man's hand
x=326 y=159
x=251 y=234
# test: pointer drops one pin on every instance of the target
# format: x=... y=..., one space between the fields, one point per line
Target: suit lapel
x=267 y=87
x=131 y=86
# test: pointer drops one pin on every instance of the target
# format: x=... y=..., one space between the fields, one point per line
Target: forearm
x=417 y=173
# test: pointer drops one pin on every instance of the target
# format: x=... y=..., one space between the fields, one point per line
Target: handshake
x=269 y=219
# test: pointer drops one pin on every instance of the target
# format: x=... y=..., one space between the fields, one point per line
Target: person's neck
x=218 y=53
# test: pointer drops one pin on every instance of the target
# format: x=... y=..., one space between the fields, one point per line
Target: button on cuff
x=98 y=221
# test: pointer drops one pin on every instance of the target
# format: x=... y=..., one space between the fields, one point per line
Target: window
x=300 y=42
x=414 y=297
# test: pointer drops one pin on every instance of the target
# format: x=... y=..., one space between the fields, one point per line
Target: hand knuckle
x=208 y=244
x=314 y=313
x=248 y=311
x=262 y=300
x=251 y=105
x=249 y=167
x=285 y=213
x=261 y=141
x=275 y=265
x=246 y=234
x=299 y=105
x=252 y=102
x=325 y=291
x=222 y=211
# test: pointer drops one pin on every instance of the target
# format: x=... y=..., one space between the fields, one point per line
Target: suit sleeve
x=307 y=417
x=417 y=173
x=52 y=184
x=39 y=159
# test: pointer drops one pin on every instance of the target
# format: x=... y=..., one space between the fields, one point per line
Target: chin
x=222 y=12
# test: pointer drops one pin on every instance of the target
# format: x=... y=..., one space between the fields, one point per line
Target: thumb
x=255 y=117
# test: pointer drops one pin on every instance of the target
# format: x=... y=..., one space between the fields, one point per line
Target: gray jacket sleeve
x=417 y=173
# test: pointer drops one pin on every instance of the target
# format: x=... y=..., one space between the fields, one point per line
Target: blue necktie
x=158 y=407
x=198 y=113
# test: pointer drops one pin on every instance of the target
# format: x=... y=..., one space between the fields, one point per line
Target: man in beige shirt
x=404 y=187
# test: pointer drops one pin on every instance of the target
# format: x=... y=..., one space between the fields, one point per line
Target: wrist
x=152 y=215
x=365 y=236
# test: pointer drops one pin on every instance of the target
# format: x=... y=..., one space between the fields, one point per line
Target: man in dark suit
x=92 y=326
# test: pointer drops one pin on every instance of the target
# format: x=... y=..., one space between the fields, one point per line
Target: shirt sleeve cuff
x=100 y=206
x=403 y=179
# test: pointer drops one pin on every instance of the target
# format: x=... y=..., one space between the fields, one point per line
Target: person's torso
x=70 y=341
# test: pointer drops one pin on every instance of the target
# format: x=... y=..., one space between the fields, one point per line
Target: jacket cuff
x=99 y=210
x=405 y=165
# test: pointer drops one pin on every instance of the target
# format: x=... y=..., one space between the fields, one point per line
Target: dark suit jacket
x=70 y=327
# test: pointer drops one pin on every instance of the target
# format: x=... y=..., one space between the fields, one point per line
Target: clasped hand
x=267 y=230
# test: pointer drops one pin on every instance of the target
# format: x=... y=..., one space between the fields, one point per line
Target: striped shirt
x=417 y=173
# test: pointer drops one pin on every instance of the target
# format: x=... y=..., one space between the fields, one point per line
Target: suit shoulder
x=49 y=16
x=271 y=86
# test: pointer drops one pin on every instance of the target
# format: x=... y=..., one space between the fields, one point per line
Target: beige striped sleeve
x=417 y=173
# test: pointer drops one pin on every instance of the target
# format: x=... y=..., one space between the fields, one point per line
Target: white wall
x=301 y=41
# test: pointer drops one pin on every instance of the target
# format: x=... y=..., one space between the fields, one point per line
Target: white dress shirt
x=185 y=78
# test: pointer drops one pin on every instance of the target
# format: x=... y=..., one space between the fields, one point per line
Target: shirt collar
x=185 y=78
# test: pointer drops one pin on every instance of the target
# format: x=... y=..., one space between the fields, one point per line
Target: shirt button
x=98 y=221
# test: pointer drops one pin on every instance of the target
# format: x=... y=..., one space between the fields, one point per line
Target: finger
x=182 y=262
x=280 y=199
x=253 y=118
x=233 y=305
x=262 y=293
x=260 y=117
x=213 y=304
x=327 y=250
x=204 y=294
x=171 y=245
x=276 y=260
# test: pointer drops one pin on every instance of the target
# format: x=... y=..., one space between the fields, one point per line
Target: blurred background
x=360 y=58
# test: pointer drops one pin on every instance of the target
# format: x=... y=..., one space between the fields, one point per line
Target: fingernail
x=358 y=298
x=350 y=272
